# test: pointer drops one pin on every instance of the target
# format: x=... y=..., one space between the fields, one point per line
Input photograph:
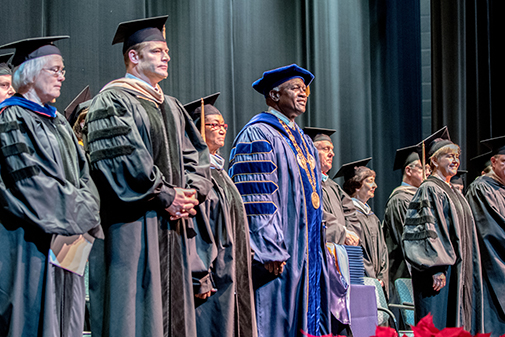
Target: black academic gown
x=375 y=252
x=224 y=250
x=486 y=197
x=45 y=189
x=394 y=218
x=140 y=278
x=440 y=236
x=339 y=212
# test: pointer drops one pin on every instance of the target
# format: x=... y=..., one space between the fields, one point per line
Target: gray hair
x=26 y=73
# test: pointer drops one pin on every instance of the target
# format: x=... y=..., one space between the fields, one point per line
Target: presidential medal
x=315 y=200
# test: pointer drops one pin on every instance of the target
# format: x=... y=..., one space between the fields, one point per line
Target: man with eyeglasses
x=407 y=159
x=6 y=89
x=276 y=170
x=153 y=171
x=343 y=226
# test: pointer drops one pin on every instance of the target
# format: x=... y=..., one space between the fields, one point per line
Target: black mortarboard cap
x=29 y=49
x=458 y=177
x=194 y=107
x=496 y=145
x=81 y=101
x=347 y=170
x=5 y=68
x=141 y=30
x=319 y=134
x=405 y=156
x=275 y=77
x=434 y=142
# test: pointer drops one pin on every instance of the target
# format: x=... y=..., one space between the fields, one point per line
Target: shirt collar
x=324 y=176
x=281 y=116
x=133 y=77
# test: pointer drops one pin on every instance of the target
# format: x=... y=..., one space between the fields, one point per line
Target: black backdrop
x=365 y=55
x=468 y=72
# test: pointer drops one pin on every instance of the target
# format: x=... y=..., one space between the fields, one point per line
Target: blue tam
x=275 y=77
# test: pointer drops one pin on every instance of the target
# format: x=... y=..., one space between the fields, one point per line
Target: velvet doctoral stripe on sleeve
x=44 y=174
x=283 y=224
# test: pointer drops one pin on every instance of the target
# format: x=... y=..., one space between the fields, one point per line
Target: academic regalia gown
x=224 y=250
x=394 y=218
x=140 y=279
x=375 y=252
x=440 y=236
x=339 y=212
x=284 y=226
x=486 y=197
x=45 y=189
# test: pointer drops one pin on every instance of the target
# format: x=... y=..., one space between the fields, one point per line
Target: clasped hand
x=439 y=281
x=184 y=204
x=276 y=267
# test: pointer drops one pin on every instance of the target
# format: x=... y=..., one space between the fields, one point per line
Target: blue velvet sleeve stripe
x=255 y=147
x=256 y=187
x=260 y=208
x=252 y=167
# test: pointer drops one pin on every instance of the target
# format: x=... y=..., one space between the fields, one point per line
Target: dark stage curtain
x=365 y=55
x=468 y=72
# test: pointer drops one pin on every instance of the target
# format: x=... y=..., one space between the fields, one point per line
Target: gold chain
x=305 y=163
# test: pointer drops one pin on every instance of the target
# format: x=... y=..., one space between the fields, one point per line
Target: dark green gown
x=140 y=278
x=225 y=252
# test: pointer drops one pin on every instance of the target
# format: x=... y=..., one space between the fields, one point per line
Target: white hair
x=26 y=73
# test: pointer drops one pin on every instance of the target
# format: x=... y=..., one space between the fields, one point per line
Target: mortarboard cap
x=5 y=68
x=319 y=134
x=431 y=144
x=496 y=145
x=435 y=142
x=347 y=170
x=458 y=177
x=405 y=156
x=275 y=77
x=194 y=108
x=29 y=49
x=141 y=30
x=80 y=102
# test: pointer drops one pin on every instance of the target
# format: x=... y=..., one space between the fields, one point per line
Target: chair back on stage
x=382 y=316
x=405 y=293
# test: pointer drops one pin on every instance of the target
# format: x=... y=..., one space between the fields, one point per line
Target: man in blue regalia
x=277 y=171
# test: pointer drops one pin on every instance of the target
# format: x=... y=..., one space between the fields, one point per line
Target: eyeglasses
x=215 y=126
x=56 y=71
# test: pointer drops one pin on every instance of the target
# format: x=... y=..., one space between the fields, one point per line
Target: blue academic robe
x=284 y=226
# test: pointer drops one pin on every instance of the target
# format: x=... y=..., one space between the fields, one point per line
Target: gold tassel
x=202 y=120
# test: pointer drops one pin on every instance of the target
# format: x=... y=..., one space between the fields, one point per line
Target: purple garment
x=284 y=226
x=338 y=285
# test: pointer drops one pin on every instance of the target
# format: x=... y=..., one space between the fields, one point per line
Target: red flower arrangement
x=425 y=328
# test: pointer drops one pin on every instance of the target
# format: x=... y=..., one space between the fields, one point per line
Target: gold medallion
x=315 y=200
x=312 y=162
x=301 y=160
